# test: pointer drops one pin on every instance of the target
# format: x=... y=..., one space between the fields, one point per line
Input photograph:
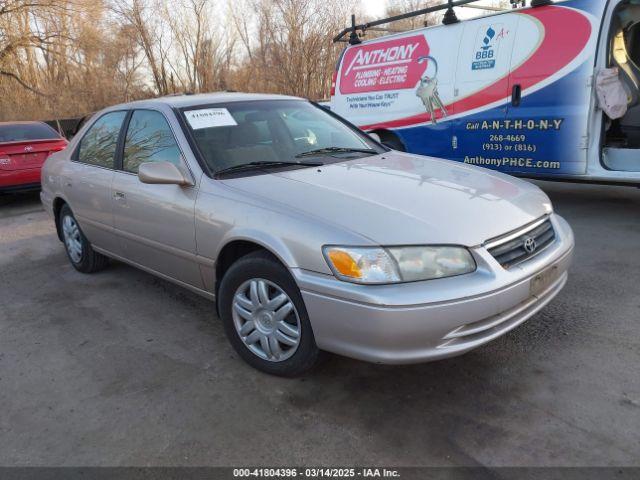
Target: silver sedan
x=309 y=234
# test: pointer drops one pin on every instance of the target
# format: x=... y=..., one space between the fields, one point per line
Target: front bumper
x=422 y=321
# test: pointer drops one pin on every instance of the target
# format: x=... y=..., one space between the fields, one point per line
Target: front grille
x=522 y=245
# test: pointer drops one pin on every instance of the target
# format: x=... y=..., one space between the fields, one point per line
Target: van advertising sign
x=510 y=91
x=390 y=65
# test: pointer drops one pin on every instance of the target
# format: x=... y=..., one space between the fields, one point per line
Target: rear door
x=88 y=178
x=155 y=223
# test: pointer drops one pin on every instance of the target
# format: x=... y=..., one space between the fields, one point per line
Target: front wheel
x=265 y=318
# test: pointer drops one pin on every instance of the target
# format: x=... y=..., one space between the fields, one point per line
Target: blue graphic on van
x=485 y=56
x=487 y=40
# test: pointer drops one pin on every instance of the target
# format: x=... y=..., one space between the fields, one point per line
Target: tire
x=79 y=251
x=254 y=326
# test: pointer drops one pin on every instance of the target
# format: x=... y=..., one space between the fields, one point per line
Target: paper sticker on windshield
x=209 y=118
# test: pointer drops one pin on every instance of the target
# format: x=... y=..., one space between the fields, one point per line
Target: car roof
x=184 y=101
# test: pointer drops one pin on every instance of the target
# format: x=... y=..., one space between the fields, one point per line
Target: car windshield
x=20 y=132
x=272 y=133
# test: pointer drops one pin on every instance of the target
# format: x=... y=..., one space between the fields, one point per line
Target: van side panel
x=392 y=82
x=539 y=127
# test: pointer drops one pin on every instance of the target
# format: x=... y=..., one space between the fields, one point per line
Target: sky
x=375 y=8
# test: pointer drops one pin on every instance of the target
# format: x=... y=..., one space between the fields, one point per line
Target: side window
x=98 y=146
x=149 y=139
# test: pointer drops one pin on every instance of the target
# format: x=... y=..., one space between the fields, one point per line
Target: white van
x=522 y=91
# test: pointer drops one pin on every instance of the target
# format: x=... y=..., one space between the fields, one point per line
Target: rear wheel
x=265 y=318
x=79 y=250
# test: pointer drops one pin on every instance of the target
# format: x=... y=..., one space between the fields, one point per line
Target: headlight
x=376 y=265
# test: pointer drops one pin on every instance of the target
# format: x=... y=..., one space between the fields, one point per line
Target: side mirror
x=162 y=173
x=375 y=137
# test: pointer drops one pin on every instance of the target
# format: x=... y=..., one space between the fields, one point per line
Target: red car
x=24 y=146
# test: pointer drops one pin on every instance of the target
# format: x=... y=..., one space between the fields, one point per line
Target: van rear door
x=545 y=132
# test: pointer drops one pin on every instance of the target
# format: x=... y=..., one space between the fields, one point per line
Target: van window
x=98 y=146
x=149 y=139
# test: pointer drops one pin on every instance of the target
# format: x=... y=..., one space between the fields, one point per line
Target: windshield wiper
x=328 y=150
x=264 y=164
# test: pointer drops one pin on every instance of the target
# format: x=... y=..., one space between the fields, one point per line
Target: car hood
x=401 y=199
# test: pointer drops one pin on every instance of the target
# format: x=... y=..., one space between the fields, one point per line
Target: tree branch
x=22 y=83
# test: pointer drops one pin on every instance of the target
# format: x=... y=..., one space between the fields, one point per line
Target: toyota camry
x=309 y=234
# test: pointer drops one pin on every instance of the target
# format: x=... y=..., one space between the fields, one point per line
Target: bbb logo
x=485 y=55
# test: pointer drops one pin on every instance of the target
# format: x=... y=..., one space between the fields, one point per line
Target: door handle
x=516 y=95
x=119 y=196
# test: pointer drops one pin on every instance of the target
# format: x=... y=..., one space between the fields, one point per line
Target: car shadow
x=12 y=204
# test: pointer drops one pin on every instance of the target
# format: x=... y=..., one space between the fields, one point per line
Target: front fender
x=267 y=241
x=296 y=239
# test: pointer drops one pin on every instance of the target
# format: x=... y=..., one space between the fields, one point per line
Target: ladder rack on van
x=449 y=18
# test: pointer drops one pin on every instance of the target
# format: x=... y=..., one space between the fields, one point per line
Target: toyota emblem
x=28 y=148
x=530 y=245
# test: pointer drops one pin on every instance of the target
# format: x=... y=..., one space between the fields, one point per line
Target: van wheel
x=264 y=316
x=391 y=140
x=81 y=255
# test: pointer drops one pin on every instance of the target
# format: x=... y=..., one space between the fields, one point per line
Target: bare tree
x=142 y=19
x=63 y=58
x=397 y=7
x=20 y=36
x=71 y=57
x=288 y=46
x=203 y=50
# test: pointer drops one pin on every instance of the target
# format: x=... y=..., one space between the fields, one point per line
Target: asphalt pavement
x=121 y=368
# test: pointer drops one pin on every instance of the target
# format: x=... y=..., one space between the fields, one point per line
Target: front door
x=155 y=223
